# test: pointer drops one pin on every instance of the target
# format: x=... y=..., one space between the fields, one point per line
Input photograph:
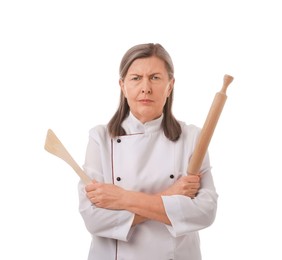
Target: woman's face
x=147 y=87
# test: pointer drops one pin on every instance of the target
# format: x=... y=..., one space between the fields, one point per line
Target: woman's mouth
x=145 y=101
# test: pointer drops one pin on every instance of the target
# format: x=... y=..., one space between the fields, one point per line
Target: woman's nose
x=146 y=88
x=146 y=91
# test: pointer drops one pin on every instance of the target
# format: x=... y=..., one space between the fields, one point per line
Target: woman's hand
x=103 y=195
x=110 y=196
x=186 y=185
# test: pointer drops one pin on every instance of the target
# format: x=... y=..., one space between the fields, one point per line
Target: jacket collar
x=132 y=125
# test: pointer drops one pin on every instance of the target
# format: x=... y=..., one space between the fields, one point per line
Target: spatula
x=54 y=146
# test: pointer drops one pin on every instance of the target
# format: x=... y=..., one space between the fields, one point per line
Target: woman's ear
x=170 y=87
x=121 y=84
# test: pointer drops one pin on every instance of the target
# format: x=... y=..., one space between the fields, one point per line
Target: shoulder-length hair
x=170 y=125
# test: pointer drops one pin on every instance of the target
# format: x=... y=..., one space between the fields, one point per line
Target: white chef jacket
x=145 y=160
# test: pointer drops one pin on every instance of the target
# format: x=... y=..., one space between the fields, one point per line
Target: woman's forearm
x=138 y=220
x=145 y=206
x=110 y=196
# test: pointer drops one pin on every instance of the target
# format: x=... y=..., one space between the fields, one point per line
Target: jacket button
x=118 y=140
x=171 y=176
x=118 y=179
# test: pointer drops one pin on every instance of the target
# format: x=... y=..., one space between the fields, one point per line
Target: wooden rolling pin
x=207 y=131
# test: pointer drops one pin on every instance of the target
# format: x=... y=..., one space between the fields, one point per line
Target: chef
x=141 y=205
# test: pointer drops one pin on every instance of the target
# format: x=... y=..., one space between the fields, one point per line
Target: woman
x=141 y=204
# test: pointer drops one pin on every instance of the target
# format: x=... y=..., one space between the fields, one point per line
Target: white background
x=59 y=69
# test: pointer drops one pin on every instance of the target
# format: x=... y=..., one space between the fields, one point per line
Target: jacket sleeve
x=114 y=224
x=188 y=215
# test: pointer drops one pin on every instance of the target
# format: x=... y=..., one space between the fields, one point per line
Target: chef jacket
x=144 y=160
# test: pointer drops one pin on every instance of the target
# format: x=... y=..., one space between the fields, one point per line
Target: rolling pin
x=195 y=161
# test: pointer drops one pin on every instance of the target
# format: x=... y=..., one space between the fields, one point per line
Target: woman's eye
x=136 y=78
x=155 y=77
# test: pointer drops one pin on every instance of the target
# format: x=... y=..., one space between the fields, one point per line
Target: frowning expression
x=146 y=87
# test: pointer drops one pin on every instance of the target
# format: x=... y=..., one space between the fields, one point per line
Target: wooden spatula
x=54 y=146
